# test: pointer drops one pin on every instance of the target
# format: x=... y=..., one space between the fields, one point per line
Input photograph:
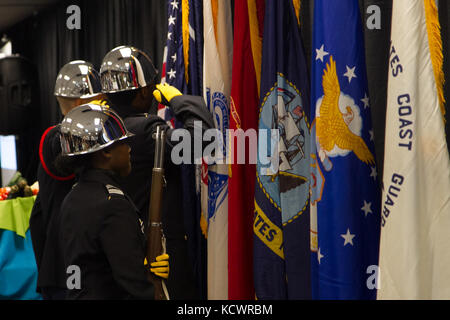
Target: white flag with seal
x=415 y=234
x=217 y=63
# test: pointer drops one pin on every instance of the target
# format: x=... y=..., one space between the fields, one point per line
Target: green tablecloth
x=18 y=271
x=15 y=214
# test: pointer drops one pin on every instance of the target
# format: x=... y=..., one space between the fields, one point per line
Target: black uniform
x=187 y=109
x=53 y=187
x=102 y=234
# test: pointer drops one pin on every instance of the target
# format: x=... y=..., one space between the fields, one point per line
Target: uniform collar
x=100 y=175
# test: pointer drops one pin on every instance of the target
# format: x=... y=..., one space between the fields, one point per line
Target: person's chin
x=128 y=171
x=124 y=172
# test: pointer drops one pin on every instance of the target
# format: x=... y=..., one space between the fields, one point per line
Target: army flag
x=248 y=17
x=218 y=54
x=415 y=219
x=345 y=199
x=281 y=220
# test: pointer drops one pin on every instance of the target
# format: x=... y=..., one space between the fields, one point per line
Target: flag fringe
x=297 y=5
x=255 y=40
x=185 y=32
x=215 y=9
x=204 y=225
x=435 y=44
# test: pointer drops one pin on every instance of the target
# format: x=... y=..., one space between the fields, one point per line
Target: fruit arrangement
x=18 y=187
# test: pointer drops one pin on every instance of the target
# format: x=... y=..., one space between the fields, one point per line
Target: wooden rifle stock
x=155 y=235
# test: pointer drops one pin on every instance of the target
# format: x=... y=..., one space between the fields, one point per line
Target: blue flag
x=184 y=70
x=281 y=224
x=345 y=221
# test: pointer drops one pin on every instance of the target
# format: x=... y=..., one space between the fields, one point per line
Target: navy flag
x=281 y=224
x=345 y=210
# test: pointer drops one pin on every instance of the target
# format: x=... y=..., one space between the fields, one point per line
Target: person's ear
x=106 y=153
x=144 y=92
x=141 y=102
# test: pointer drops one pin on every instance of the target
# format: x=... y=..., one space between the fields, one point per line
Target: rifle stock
x=155 y=235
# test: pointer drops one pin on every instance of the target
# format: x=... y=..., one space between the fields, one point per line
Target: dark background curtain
x=105 y=24
x=49 y=44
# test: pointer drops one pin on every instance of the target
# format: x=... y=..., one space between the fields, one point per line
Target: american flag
x=185 y=46
x=183 y=69
x=164 y=111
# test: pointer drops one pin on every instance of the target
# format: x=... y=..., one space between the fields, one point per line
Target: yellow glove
x=160 y=267
x=101 y=102
x=164 y=93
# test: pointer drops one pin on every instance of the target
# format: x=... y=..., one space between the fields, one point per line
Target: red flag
x=243 y=115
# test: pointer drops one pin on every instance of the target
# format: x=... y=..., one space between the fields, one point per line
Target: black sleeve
x=122 y=242
x=38 y=231
x=189 y=110
x=54 y=142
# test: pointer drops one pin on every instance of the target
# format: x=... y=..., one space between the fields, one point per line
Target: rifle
x=155 y=235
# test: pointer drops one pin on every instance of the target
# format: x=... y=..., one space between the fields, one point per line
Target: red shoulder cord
x=41 y=145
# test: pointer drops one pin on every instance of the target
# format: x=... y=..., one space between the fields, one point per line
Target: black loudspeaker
x=18 y=94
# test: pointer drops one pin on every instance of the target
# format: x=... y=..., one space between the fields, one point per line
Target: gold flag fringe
x=435 y=44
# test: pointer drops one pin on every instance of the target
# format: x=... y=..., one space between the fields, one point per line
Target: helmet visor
x=89 y=128
x=126 y=68
x=77 y=79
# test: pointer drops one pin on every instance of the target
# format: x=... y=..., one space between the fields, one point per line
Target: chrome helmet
x=126 y=68
x=89 y=128
x=77 y=79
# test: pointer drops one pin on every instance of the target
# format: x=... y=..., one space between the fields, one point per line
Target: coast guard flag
x=218 y=54
x=415 y=237
x=184 y=70
x=345 y=200
x=281 y=223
